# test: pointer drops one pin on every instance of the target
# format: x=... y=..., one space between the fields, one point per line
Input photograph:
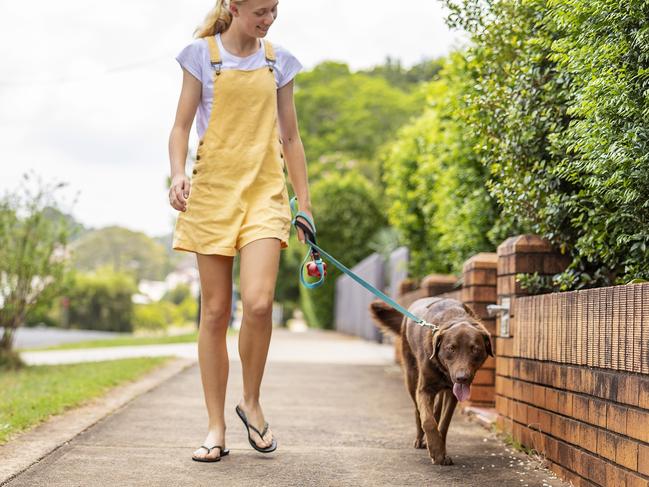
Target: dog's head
x=461 y=345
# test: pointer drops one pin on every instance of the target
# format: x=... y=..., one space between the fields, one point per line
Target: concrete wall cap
x=524 y=243
x=483 y=260
x=438 y=279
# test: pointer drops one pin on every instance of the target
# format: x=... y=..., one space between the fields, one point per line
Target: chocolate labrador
x=439 y=366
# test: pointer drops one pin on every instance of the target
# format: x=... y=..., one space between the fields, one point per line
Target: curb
x=33 y=445
x=484 y=416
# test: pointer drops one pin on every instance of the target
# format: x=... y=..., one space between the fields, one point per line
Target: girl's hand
x=179 y=192
x=300 y=233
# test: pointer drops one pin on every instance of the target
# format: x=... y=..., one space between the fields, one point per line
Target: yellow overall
x=238 y=189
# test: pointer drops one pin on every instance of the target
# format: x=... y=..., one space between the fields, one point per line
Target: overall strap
x=215 y=54
x=270 y=54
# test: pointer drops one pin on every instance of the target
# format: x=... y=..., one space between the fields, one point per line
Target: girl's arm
x=293 y=149
x=190 y=96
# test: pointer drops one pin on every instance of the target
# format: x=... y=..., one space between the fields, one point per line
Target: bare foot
x=255 y=418
x=214 y=437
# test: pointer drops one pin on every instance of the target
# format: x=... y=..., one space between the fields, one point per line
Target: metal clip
x=503 y=308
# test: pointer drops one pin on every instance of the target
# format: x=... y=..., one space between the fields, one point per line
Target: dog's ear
x=487 y=344
x=469 y=311
x=487 y=339
x=437 y=342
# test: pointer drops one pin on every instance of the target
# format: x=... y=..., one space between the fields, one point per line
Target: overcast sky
x=88 y=90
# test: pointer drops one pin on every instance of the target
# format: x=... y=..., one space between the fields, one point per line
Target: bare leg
x=258 y=274
x=216 y=301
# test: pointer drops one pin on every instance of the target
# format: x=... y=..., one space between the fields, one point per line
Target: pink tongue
x=461 y=391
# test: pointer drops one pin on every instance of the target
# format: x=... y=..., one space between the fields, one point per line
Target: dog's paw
x=419 y=443
x=442 y=461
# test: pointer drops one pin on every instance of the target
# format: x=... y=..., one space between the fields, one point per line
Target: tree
x=33 y=263
x=348 y=115
x=122 y=249
x=406 y=79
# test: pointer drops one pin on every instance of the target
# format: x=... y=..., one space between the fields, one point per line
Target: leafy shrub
x=178 y=294
x=188 y=310
x=435 y=183
x=604 y=48
x=102 y=301
x=155 y=316
x=558 y=110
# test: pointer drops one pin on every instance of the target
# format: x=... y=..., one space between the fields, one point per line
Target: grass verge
x=123 y=341
x=34 y=393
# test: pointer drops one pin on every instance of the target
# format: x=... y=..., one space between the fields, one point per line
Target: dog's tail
x=387 y=318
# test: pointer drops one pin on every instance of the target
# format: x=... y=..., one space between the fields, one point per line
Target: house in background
x=150 y=291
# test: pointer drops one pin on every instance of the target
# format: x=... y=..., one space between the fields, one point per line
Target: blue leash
x=309 y=234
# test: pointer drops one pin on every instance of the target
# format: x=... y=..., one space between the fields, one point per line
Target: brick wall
x=572 y=379
x=431 y=285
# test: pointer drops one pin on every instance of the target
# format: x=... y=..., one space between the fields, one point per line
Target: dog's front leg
x=448 y=402
x=437 y=407
x=434 y=441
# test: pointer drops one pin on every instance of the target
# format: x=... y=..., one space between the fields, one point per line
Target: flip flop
x=224 y=452
x=268 y=449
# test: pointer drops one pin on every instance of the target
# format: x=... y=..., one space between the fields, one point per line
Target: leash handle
x=316 y=251
x=309 y=235
x=376 y=292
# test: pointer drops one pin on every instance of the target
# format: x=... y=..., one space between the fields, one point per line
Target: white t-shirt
x=195 y=58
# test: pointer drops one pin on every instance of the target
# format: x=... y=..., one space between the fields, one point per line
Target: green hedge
x=558 y=111
x=605 y=48
x=435 y=184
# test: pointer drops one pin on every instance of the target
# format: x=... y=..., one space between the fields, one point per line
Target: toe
x=254 y=419
x=259 y=441
x=200 y=453
x=215 y=453
x=269 y=437
x=264 y=442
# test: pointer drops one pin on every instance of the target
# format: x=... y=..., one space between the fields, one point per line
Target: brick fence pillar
x=479 y=290
x=520 y=254
x=435 y=284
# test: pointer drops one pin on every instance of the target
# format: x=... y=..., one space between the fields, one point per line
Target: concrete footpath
x=340 y=418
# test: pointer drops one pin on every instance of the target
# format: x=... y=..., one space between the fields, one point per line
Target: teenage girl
x=236 y=199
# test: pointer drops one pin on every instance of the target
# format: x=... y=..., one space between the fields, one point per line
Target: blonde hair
x=217 y=20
